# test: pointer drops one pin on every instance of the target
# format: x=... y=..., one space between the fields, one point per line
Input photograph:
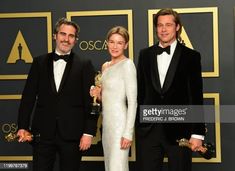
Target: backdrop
x=26 y=31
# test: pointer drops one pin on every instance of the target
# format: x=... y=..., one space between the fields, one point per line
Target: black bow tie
x=56 y=57
x=160 y=50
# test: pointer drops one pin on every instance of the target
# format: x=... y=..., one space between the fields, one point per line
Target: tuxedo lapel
x=172 y=68
x=154 y=69
x=66 y=72
x=51 y=73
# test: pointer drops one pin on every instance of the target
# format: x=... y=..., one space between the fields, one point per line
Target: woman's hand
x=95 y=91
x=125 y=143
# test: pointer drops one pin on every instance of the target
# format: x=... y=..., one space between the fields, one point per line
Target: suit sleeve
x=140 y=85
x=131 y=94
x=88 y=81
x=196 y=91
x=140 y=79
x=29 y=96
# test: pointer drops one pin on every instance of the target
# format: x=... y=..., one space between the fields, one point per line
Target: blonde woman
x=119 y=94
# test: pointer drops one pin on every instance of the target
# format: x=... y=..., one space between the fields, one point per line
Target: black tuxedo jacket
x=182 y=86
x=67 y=110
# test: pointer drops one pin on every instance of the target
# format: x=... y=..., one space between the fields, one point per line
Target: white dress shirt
x=163 y=63
x=58 y=69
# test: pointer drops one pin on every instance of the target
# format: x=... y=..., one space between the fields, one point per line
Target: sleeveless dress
x=119 y=90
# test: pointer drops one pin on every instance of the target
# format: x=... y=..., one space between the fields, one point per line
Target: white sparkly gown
x=119 y=90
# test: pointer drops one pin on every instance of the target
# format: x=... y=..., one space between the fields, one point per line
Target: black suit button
x=162 y=96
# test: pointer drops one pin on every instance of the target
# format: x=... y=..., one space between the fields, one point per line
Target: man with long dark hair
x=168 y=73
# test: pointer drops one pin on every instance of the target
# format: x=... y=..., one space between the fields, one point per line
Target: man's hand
x=85 y=142
x=24 y=135
x=196 y=144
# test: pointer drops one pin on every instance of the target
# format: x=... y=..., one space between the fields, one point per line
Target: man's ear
x=177 y=27
x=54 y=36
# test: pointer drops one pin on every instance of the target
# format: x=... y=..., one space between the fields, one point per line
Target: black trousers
x=45 y=152
x=152 y=148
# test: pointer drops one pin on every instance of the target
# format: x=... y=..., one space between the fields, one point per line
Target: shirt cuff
x=200 y=137
x=88 y=135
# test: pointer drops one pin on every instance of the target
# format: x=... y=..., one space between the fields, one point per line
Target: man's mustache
x=65 y=42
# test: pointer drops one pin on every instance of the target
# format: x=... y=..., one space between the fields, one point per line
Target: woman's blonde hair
x=118 y=30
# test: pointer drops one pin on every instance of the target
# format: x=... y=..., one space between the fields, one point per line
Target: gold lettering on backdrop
x=97 y=137
x=93 y=45
x=9 y=127
x=20 y=51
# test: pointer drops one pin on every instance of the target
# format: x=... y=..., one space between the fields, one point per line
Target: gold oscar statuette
x=96 y=107
x=206 y=151
x=11 y=137
x=14 y=137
